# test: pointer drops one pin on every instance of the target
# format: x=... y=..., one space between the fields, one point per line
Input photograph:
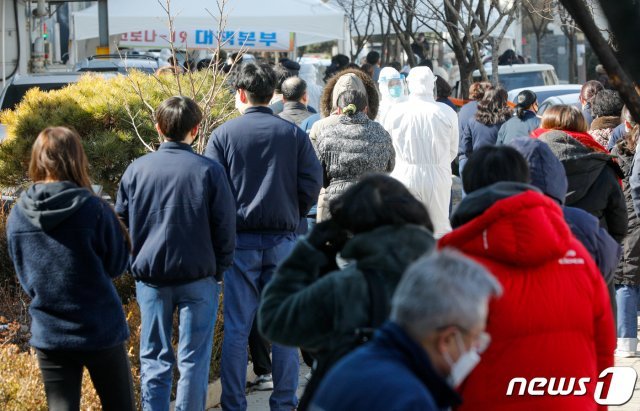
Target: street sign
x=206 y=39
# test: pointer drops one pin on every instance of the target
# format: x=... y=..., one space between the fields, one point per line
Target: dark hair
x=493 y=108
x=524 y=100
x=292 y=66
x=176 y=116
x=564 y=117
x=426 y=63
x=258 y=80
x=282 y=73
x=58 y=154
x=443 y=89
x=293 y=89
x=352 y=102
x=590 y=89
x=204 y=64
x=396 y=65
x=368 y=68
x=338 y=62
x=492 y=164
x=478 y=89
x=373 y=58
x=378 y=200
x=606 y=103
x=509 y=57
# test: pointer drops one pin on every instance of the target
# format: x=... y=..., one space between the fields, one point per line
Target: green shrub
x=101 y=110
x=106 y=113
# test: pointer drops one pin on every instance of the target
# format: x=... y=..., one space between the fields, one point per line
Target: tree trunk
x=466 y=71
x=538 y=48
x=495 y=76
x=405 y=42
x=573 y=59
x=618 y=76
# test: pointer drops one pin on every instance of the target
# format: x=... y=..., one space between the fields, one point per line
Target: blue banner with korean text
x=207 y=39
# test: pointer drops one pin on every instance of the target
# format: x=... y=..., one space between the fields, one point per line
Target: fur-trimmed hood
x=326 y=101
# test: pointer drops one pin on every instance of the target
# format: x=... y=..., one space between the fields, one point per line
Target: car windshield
x=519 y=80
x=15 y=93
x=543 y=95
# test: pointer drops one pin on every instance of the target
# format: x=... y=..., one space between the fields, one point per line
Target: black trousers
x=110 y=373
x=259 y=349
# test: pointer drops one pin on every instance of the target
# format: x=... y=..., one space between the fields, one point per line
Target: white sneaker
x=627 y=348
x=262 y=383
x=625 y=354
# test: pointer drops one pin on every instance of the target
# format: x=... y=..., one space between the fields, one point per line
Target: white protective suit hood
x=386 y=99
x=309 y=73
x=421 y=82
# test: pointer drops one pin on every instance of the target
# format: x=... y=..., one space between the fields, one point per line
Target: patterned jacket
x=350 y=148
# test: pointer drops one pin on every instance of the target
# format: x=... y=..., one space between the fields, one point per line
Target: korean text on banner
x=206 y=39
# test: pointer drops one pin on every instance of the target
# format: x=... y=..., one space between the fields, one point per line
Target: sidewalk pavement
x=259 y=400
x=634 y=404
x=256 y=400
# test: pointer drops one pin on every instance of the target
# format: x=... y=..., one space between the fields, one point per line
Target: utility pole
x=103 y=27
x=37 y=57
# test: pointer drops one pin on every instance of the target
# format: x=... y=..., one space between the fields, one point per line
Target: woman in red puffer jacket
x=554 y=319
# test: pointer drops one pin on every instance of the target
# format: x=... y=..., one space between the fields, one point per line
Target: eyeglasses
x=481 y=341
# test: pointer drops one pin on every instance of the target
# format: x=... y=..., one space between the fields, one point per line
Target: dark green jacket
x=319 y=313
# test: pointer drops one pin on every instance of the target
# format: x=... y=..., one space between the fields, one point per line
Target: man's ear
x=305 y=98
x=243 y=96
x=159 y=131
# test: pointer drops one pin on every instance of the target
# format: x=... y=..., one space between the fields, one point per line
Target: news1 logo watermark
x=623 y=382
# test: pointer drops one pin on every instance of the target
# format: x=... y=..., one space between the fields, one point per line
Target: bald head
x=294 y=89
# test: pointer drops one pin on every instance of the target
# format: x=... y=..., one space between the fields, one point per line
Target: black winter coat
x=593 y=183
x=628 y=272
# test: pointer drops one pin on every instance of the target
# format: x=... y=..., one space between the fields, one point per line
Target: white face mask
x=465 y=364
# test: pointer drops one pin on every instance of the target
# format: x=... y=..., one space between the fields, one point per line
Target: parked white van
x=522 y=75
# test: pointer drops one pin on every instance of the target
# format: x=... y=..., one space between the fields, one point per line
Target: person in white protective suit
x=425 y=138
x=391 y=89
x=309 y=73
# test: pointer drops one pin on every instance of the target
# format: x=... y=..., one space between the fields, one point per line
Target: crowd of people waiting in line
x=333 y=232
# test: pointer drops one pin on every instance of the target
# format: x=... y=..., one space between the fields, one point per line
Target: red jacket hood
x=527 y=229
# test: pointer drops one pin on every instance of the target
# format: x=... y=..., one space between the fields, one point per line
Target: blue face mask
x=395 y=91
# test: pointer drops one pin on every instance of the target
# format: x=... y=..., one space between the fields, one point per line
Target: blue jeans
x=627 y=299
x=256 y=258
x=197 y=304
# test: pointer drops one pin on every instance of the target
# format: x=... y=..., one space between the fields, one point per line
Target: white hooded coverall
x=386 y=100
x=425 y=138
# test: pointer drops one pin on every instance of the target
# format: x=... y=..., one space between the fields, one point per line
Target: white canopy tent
x=312 y=21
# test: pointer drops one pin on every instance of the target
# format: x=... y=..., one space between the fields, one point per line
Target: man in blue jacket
x=275 y=177
x=433 y=341
x=180 y=212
